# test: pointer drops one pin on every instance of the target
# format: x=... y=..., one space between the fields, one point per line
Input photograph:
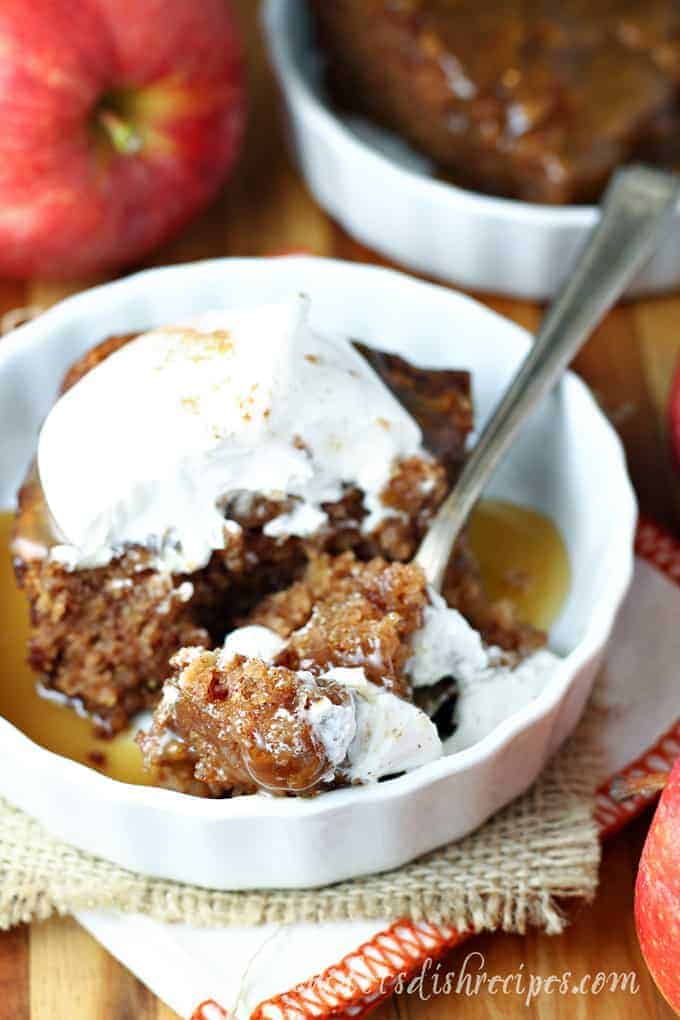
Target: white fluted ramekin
x=567 y=463
x=385 y=195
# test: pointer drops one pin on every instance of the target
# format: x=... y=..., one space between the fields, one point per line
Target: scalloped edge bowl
x=568 y=463
x=385 y=196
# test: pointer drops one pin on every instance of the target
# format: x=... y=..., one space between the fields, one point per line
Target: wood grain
x=72 y=976
x=55 y=970
x=14 y=975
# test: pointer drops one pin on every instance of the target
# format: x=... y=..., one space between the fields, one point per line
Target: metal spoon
x=635 y=214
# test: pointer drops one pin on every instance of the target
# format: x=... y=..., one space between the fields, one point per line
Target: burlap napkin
x=509 y=874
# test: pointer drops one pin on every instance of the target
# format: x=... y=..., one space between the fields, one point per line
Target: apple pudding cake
x=219 y=527
x=538 y=100
x=317 y=688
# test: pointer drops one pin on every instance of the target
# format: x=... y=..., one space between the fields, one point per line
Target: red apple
x=119 y=120
x=674 y=417
x=657 y=894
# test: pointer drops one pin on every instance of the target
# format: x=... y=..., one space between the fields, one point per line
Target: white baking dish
x=568 y=463
x=386 y=196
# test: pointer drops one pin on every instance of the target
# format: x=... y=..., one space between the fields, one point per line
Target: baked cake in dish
x=120 y=560
x=218 y=527
x=316 y=689
x=532 y=99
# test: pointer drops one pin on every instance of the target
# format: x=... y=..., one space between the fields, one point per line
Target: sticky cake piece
x=266 y=711
x=346 y=613
x=101 y=637
x=243 y=725
x=237 y=723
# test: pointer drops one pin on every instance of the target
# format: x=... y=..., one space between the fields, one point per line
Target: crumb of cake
x=413 y=493
x=346 y=613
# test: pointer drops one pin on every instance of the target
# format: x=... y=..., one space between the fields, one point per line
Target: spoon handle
x=634 y=214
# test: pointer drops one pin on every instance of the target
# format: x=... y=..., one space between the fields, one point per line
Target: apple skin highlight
x=120 y=123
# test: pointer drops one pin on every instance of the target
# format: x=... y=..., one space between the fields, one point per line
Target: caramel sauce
x=522 y=558
x=521 y=555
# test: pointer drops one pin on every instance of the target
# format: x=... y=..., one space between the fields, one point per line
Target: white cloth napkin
x=241 y=967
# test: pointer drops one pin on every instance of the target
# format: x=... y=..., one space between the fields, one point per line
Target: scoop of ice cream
x=446 y=645
x=373 y=735
x=147 y=447
x=488 y=689
x=390 y=735
x=490 y=696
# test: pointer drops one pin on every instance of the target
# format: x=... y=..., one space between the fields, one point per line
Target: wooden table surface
x=55 y=970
